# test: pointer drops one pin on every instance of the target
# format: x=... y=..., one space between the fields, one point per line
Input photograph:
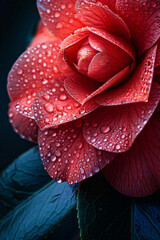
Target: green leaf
x=103 y=213
x=35 y=204
x=21 y=179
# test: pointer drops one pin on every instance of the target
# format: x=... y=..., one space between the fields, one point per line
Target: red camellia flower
x=88 y=88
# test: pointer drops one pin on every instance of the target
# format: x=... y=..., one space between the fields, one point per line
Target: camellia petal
x=110 y=3
x=137 y=171
x=143 y=20
x=54 y=106
x=115 y=128
x=94 y=14
x=42 y=35
x=34 y=69
x=25 y=127
x=67 y=156
x=83 y=89
x=137 y=88
x=157 y=64
x=59 y=16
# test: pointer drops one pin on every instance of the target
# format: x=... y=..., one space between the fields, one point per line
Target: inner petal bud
x=84 y=57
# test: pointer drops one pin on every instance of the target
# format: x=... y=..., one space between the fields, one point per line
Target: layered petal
x=115 y=128
x=59 y=16
x=157 y=64
x=143 y=20
x=67 y=156
x=34 y=69
x=94 y=14
x=137 y=88
x=25 y=127
x=110 y=3
x=137 y=171
x=83 y=88
x=54 y=106
x=42 y=35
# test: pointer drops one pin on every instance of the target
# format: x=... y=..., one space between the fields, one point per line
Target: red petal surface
x=109 y=3
x=67 y=156
x=34 y=69
x=137 y=88
x=25 y=127
x=42 y=35
x=54 y=106
x=137 y=171
x=143 y=20
x=115 y=128
x=97 y=15
x=109 y=61
x=59 y=16
x=157 y=64
x=80 y=88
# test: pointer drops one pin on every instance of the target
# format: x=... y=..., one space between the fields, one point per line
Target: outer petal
x=137 y=171
x=100 y=16
x=115 y=128
x=110 y=3
x=143 y=20
x=59 y=16
x=54 y=106
x=137 y=88
x=157 y=64
x=35 y=68
x=25 y=127
x=42 y=35
x=67 y=156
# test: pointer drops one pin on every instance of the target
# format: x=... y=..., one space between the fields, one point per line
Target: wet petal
x=110 y=60
x=143 y=20
x=137 y=88
x=95 y=14
x=25 y=127
x=34 y=69
x=157 y=64
x=137 y=171
x=83 y=89
x=42 y=35
x=115 y=128
x=109 y=3
x=54 y=106
x=59 y=16
x=67 y=156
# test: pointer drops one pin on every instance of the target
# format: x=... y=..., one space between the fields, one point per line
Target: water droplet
x=96 y=169
x=53 y=158
x=117 y=147
x=62 y=97
x=105 y=129
x=58 y=153
x=49 y=107
x=20 y=71
x=46 y=97
x=59 y=107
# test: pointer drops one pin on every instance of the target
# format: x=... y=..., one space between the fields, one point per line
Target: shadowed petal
x=100 y=16
x=25 y=127
x=137 y=171
x=143 y=20
x=137 y=88
x=42 y=35
x=59 y=16
x=115 y=128
x=67 y=156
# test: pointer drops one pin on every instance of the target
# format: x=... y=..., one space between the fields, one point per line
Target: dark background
x=18 y=20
